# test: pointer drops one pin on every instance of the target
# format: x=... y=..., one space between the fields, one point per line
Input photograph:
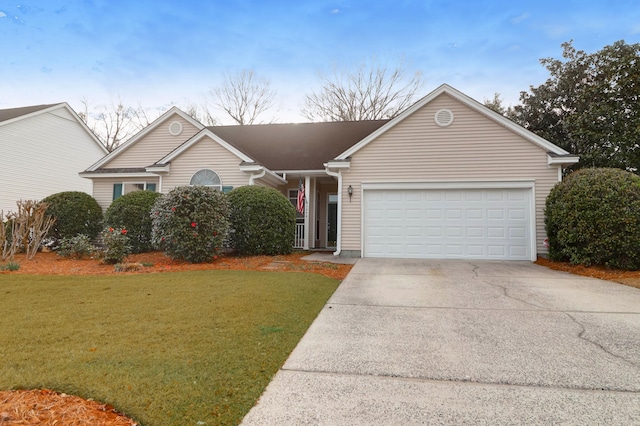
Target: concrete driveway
x=405 y=342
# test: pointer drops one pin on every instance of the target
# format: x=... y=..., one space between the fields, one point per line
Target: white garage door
x=448 y=223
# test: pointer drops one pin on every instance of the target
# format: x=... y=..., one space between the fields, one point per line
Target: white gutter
x=256 y=176
x=338 y=174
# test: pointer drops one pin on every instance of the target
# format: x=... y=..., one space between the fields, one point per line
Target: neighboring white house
x=42 y=148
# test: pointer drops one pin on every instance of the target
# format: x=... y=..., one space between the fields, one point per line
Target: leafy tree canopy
x=589 y=105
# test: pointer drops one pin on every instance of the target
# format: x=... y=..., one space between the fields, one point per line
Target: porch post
x=307 y=206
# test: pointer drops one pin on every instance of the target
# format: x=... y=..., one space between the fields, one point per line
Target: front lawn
x=165 y=349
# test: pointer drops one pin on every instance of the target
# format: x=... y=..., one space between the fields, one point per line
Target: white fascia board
x=251 y=168
x=141 y=134
x=338 y=165
x=312 y=173
x=461 y=184
x=274 y=178
x=573 y=159
x=269 y=176
x=466 y=100
x=205 y=132
x=116 y=175
x=165 y=168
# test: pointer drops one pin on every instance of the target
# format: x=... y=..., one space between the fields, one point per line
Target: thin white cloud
x=2 y=14
x=335 y=11
x=522 y=17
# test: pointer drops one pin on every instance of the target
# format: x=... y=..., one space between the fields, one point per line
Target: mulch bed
x=631 y=278
x=46 y=407
x=52 y=264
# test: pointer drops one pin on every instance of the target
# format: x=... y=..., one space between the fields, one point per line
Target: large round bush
x=593 y=218
x=263 y=221
x=190 y=223
x=75 y=213
x=132 y=212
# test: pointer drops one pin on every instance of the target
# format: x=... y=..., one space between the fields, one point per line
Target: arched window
x=206 y=177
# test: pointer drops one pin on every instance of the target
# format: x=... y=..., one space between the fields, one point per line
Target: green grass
x=165 y=349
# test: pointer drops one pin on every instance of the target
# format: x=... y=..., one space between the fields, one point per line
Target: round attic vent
x=175 y=128
x=443 y=117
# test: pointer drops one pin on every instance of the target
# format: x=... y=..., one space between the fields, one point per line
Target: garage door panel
x=448 y=223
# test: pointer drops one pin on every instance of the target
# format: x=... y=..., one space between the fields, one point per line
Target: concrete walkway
x=407 y=342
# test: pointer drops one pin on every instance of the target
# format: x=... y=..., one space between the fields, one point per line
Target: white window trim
x=218 y=187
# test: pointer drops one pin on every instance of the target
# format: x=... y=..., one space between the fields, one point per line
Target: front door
x=332 y=220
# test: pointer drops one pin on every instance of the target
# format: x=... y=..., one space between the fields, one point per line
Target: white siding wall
x=205 y=154
x=42 y=155
x=472 y=148
x=154 y=146
x=103 y=188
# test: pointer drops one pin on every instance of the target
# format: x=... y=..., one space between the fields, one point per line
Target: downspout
x=338 y=174
x=257 y=176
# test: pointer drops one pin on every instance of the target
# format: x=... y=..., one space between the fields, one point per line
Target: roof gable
x=469 y=102
x=198 y=137
x=11 y=115
x=120 y=150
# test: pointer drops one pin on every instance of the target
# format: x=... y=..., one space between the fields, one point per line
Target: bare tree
x=244 y=97
x=370 y=92
x=114 y=123
x=201 y=113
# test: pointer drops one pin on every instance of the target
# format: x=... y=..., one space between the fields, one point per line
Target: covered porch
x=317 y=224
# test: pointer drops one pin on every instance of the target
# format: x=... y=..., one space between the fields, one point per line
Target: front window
x=206 y=177
x=120 y=189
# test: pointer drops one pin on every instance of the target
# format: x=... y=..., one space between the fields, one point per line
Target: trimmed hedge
x=76 y=213
x=190 y=223
x=593 y=218
x=132 y=212
x=263 y=221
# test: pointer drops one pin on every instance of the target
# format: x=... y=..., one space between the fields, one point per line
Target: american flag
x=300 y=204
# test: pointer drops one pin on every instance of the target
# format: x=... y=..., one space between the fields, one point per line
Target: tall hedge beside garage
x=592 y=217
x=263 y=221
x=76 y=213
x=132 y=212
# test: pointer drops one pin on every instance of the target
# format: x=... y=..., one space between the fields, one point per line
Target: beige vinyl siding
x=473 y=148
x=42 y=155
x=103 y=188
x=154 y=146
x=205 y=154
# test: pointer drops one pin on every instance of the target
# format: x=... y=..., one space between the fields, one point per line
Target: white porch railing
x=299 y=241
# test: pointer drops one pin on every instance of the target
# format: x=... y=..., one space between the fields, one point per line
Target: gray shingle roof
x=298 y=146
x=10 y=113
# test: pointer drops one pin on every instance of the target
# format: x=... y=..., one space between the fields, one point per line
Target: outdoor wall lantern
x=350 y=192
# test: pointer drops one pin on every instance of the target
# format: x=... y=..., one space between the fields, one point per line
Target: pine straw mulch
x=46 y=407
x=52 y=264
x=630 y=278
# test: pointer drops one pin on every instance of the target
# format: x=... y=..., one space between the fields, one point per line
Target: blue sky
x=159 y=52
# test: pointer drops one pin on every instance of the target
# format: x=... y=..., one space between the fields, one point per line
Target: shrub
x=78 y=247
x=75 y=213
x=263 y=221
x=190 y=223
x=116 y=245
x=10 y=266
x=593 y=218
x=132 y=211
